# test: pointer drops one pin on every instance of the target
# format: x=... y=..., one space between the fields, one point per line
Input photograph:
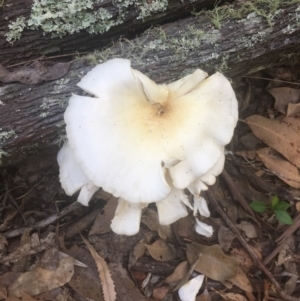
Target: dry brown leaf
x=212 y=262
x=284 y=96
x=12 y=298
x=293 y=109
x=138 y=251
x=86 y=284
x=205 y=296
x=234 y=297
x=241 y=280
x=26 y=297
x=293 y=122
x=242 y=257
x=248 y=228
x=40 y=280
x=3 y=245
x=51 y=295
x=150 y=219
x=185 y=228
x=298 y=206
x=282 y=168
x=8 y=218
x=178 y=273
x=126 y=289
x=225 y=237
x=277 y=135
x=290 y=285
x=160 y=250
x=160 y=292
x=3 y=291
x=8 y=278
x=102 y=222
x=107 y=283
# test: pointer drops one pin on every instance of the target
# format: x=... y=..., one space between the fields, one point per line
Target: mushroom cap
x=72 y=177
x=125 y=136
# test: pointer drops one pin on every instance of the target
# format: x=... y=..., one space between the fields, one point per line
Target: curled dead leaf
x=108 y=286
x=40 y=280
x=102 y=222
x=278 y=135
x=150 y=219
x=160 y=250
x=285 y=170
x=178 y=273
x=3 y=291
x=234 y=297
x=283 y=97
x=212 y=262
x=240 y=280
x=248 y=228
x=293 y=109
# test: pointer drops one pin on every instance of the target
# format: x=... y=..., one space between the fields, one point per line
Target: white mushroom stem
x=127 y=218
x=203 y=229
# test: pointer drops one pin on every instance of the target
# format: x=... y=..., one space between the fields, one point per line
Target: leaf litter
x=167 y=257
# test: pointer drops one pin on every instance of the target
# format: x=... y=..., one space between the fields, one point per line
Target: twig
x=82 y=223
x=283 y=238
x=43 y=223
x=237 y=196
x=271 y=79
x=17 y=206
x=20 y=197
x=253 y=255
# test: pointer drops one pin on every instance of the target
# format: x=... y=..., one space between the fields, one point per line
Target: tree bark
x=36 y=43
x=31 y=116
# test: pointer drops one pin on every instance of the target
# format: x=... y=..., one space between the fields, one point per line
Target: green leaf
x=281 y=206
x=258 y=206
x=274 y=201
x=283 y=217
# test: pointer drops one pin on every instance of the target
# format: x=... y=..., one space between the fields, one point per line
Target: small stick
x=237 y=196
x=45 y=222
x=283 y=238
x=243 y=242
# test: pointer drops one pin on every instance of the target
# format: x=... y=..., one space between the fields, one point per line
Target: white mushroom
x=72 y=177
x=145 y=142
x=189 y=290
x=127 y=218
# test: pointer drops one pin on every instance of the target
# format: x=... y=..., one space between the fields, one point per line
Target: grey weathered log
x=35 y=43
x=31 y=117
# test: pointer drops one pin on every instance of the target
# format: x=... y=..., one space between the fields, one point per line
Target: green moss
x=268 y=9
x=6 y=135
x=152 y=7
x=60 y=18
x=3 y=137
x=15 y=30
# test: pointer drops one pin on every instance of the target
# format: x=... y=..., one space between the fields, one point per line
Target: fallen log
x=31 y=116
x=31 y=29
